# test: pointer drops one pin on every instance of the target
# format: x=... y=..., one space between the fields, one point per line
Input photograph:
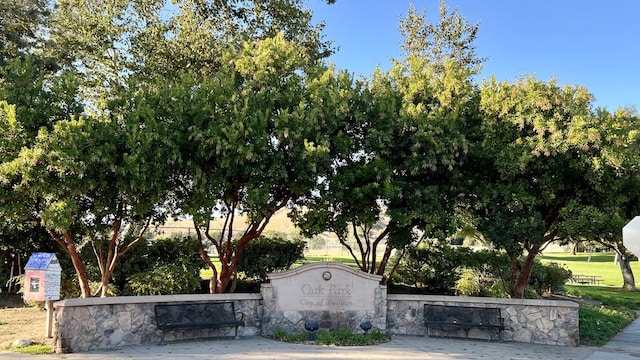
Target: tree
x=406 y=140
x=614 y=198
x=527 y=164
x=21 y=21
x=110 y=42
x=96 y=38
x=88 y=184
x=451 y=38
x=97 y=185
x=83 y=179
x=250 y=140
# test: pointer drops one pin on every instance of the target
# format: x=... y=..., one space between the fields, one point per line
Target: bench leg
x=237 y=336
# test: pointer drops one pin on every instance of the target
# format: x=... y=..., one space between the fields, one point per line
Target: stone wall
x=100 y=323
x=529 y=321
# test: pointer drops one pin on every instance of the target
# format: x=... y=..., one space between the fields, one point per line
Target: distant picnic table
x=586 y=279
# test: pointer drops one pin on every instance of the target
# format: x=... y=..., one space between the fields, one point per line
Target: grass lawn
x=601 y=264
x=618 y=308
x=342 y=259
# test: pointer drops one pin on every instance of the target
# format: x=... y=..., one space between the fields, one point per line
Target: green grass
x=35 y=349
x=342 y=259
x=598 y=324
x=618 y=307
x=601 y=264
x=340 y=337
x=609 y=296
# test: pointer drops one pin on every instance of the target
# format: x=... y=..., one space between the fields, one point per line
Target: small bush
x=468 y=284
x=282 y=335
x=175 y=251
x=549 y=277
x=474 y=283
x=436 y=267
x=163 y=280
x=432 y=267
x=340 y=337
x=265 y=255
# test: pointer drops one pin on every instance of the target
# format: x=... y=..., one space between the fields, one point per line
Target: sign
x=325 y=286
x=631 y=236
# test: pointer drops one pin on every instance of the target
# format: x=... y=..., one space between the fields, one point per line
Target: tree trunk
x=385 y=260
x=518 y=289
x=65 y=240
x=213 y=281
x=629 y=282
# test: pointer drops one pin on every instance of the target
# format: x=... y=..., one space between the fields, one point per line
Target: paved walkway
x=624 y=346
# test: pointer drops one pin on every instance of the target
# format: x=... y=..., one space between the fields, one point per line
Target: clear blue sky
x=594 y=43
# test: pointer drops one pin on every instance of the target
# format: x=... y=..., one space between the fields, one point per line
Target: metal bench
x=196 y=315
x=449 y=319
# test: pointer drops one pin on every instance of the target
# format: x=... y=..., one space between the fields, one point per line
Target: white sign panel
x=325 y=286
x=631 y=236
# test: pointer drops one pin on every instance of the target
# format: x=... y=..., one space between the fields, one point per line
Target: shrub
x=432 y=267
x=474 y=283
x=265 y=255
x=176 y=251
x=468 y=284
x=549 y=277
x=437 y=267
x=163 y=280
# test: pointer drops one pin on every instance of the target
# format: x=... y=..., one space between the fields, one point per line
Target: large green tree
x=110 y=42
x=528 y=163
x=249 y=139
x=88 y=184
x=406 y=141
x=96 y=177
x=614 y=196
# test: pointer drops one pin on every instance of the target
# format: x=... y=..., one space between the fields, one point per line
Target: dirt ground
x=19 y=321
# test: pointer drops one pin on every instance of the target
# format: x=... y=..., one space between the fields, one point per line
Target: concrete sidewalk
x=624 y=346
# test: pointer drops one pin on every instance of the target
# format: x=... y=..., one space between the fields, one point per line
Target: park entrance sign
x=333 y=295
x=631 y=236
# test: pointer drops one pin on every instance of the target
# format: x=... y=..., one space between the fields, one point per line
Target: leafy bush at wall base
x=438 y=268
x=339 y=337
x=265 y=255
x=163 y=280
x=432 y=266
x=549 y=277
x=180 y=251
